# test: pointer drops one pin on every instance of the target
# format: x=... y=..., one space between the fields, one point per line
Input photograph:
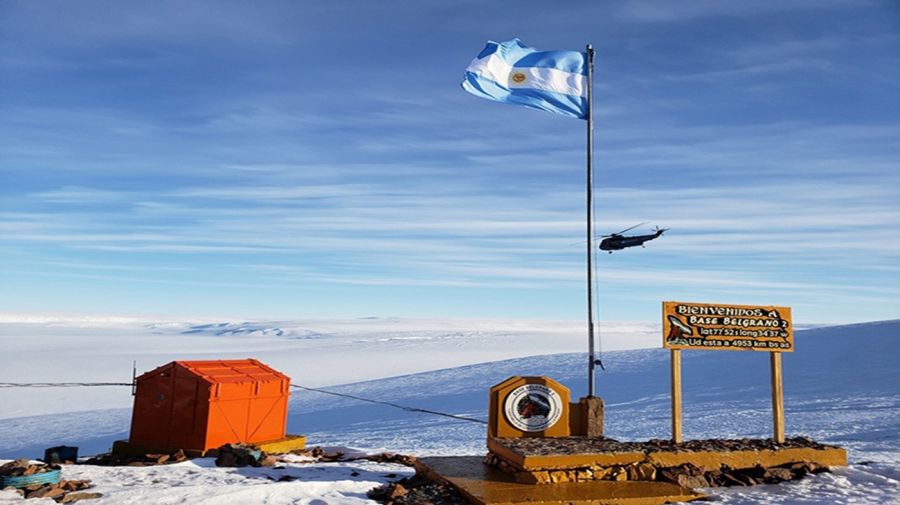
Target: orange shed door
x=189 y=409
x=152 y=415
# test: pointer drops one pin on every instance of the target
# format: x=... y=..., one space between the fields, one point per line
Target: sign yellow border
x=725 y=327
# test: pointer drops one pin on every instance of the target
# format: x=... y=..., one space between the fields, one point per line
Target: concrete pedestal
x=484 y=485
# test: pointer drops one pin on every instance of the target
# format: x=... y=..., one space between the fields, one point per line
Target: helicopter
x=616 y=241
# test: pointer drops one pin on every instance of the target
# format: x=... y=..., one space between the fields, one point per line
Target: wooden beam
x=777 y=397
x=676 y=395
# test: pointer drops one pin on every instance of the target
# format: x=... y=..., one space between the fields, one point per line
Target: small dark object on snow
x=416 y=490
x=241 y=455
x=74 y=497
x=320 y=454
x=62 y=454
x=150 y=459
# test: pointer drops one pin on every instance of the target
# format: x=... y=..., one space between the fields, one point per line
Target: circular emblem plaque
x=518 y=77
x=532 y=407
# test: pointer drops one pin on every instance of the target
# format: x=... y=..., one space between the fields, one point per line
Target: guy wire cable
x=390 y=404
x=306 y=388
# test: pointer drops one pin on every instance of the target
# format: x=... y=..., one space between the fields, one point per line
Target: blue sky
x=298 y=159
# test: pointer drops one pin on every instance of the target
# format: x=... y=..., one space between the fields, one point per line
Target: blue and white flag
x=511 y=72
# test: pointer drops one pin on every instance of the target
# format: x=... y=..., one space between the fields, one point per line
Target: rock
x=672 y=473
x=743 y=479
x=686 y=475
x=226 y=459
x=727 y=479
x=714 y=478
x=584 y=475
x=780 y=474
x=799 y=470
x=692 y=481
x=691 y=469
x=239 y=455
x=397 y=491
x=54 y=492
x=417 y=490
x=757 y=472
x=379 y=493
x=600 y=472
x=74 y=497
x=560 y=476
x=82 y=484
x=158 y=458
x=319 y=454
x=642 y=471
x=45 y=491
x=751 y=476
x=74 y=485
x=542 y=477
x=816 y=468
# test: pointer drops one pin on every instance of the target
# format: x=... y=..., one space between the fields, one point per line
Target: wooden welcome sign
x=721 y=327
x=708 y=326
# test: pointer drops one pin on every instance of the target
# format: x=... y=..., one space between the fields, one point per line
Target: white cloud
x=666 y=11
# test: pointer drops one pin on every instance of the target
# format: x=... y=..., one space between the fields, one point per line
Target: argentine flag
x=511 y=72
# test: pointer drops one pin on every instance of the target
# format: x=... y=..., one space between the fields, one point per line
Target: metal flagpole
x=590 y=216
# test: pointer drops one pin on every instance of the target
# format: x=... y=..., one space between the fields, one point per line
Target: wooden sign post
x=777 y=397
x=720 y=327
x=676 y=395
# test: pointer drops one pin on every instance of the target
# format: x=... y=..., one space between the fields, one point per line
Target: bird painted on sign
x=617 y=241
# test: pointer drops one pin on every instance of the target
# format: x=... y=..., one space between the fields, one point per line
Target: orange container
x=201 y=405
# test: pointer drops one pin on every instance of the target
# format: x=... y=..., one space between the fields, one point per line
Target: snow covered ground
x=842 y=386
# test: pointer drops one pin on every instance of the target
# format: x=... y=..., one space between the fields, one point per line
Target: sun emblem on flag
x=518 y=77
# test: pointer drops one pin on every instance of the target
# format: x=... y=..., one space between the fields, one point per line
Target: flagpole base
x=588 y=417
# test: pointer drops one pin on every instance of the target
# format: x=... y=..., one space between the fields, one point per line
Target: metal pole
x=590 y=216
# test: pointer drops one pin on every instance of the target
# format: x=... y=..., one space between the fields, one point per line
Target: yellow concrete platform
x=827 y=456
x=484 y=485
x=285 y=445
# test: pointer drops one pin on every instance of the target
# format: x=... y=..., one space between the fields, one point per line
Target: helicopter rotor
x=626 y=229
